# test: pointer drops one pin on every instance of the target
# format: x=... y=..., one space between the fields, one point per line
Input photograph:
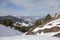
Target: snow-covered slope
x=21 y=24
x=10 y=34
x=30 y=37
x=49 y=25
x=48 y=29
x=6 y=31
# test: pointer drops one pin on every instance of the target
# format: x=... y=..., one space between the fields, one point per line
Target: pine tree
x=48 y=17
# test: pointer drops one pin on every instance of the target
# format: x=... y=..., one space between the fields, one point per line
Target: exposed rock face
x=57 y=35
x=53 y=29
x=46 y=30
x=57 y=15
x=52 y=26
x=32 y=33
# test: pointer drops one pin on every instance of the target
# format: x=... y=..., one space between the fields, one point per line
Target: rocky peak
x=57 y=15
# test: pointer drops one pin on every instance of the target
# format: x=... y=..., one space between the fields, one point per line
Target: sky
x=29 y=7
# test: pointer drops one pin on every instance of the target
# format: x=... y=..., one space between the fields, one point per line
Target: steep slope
x=6 y=31
x=48 y=29
x=57 y=15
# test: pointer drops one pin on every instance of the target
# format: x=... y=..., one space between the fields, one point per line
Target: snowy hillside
x=50 y=25
x=6 y=31
x=30 y=37
x=49 y=29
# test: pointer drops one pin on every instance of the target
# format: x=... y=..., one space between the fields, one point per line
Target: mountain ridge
x=51 y=26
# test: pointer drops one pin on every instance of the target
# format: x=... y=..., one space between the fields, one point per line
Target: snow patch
x=7 y=31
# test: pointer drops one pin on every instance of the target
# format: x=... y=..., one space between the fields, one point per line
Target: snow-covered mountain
x=27 y=18
x=23 y=20
x=21 y=24
x=50 y=29
x=14 y=19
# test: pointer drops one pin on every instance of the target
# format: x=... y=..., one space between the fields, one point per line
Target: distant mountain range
x=28 y=19
x=14 y=19
x=24 y=19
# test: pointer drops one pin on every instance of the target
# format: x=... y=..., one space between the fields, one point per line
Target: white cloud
x=29 y=3
x=23 y=3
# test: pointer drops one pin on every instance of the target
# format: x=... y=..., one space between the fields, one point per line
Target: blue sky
x=29 y=7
